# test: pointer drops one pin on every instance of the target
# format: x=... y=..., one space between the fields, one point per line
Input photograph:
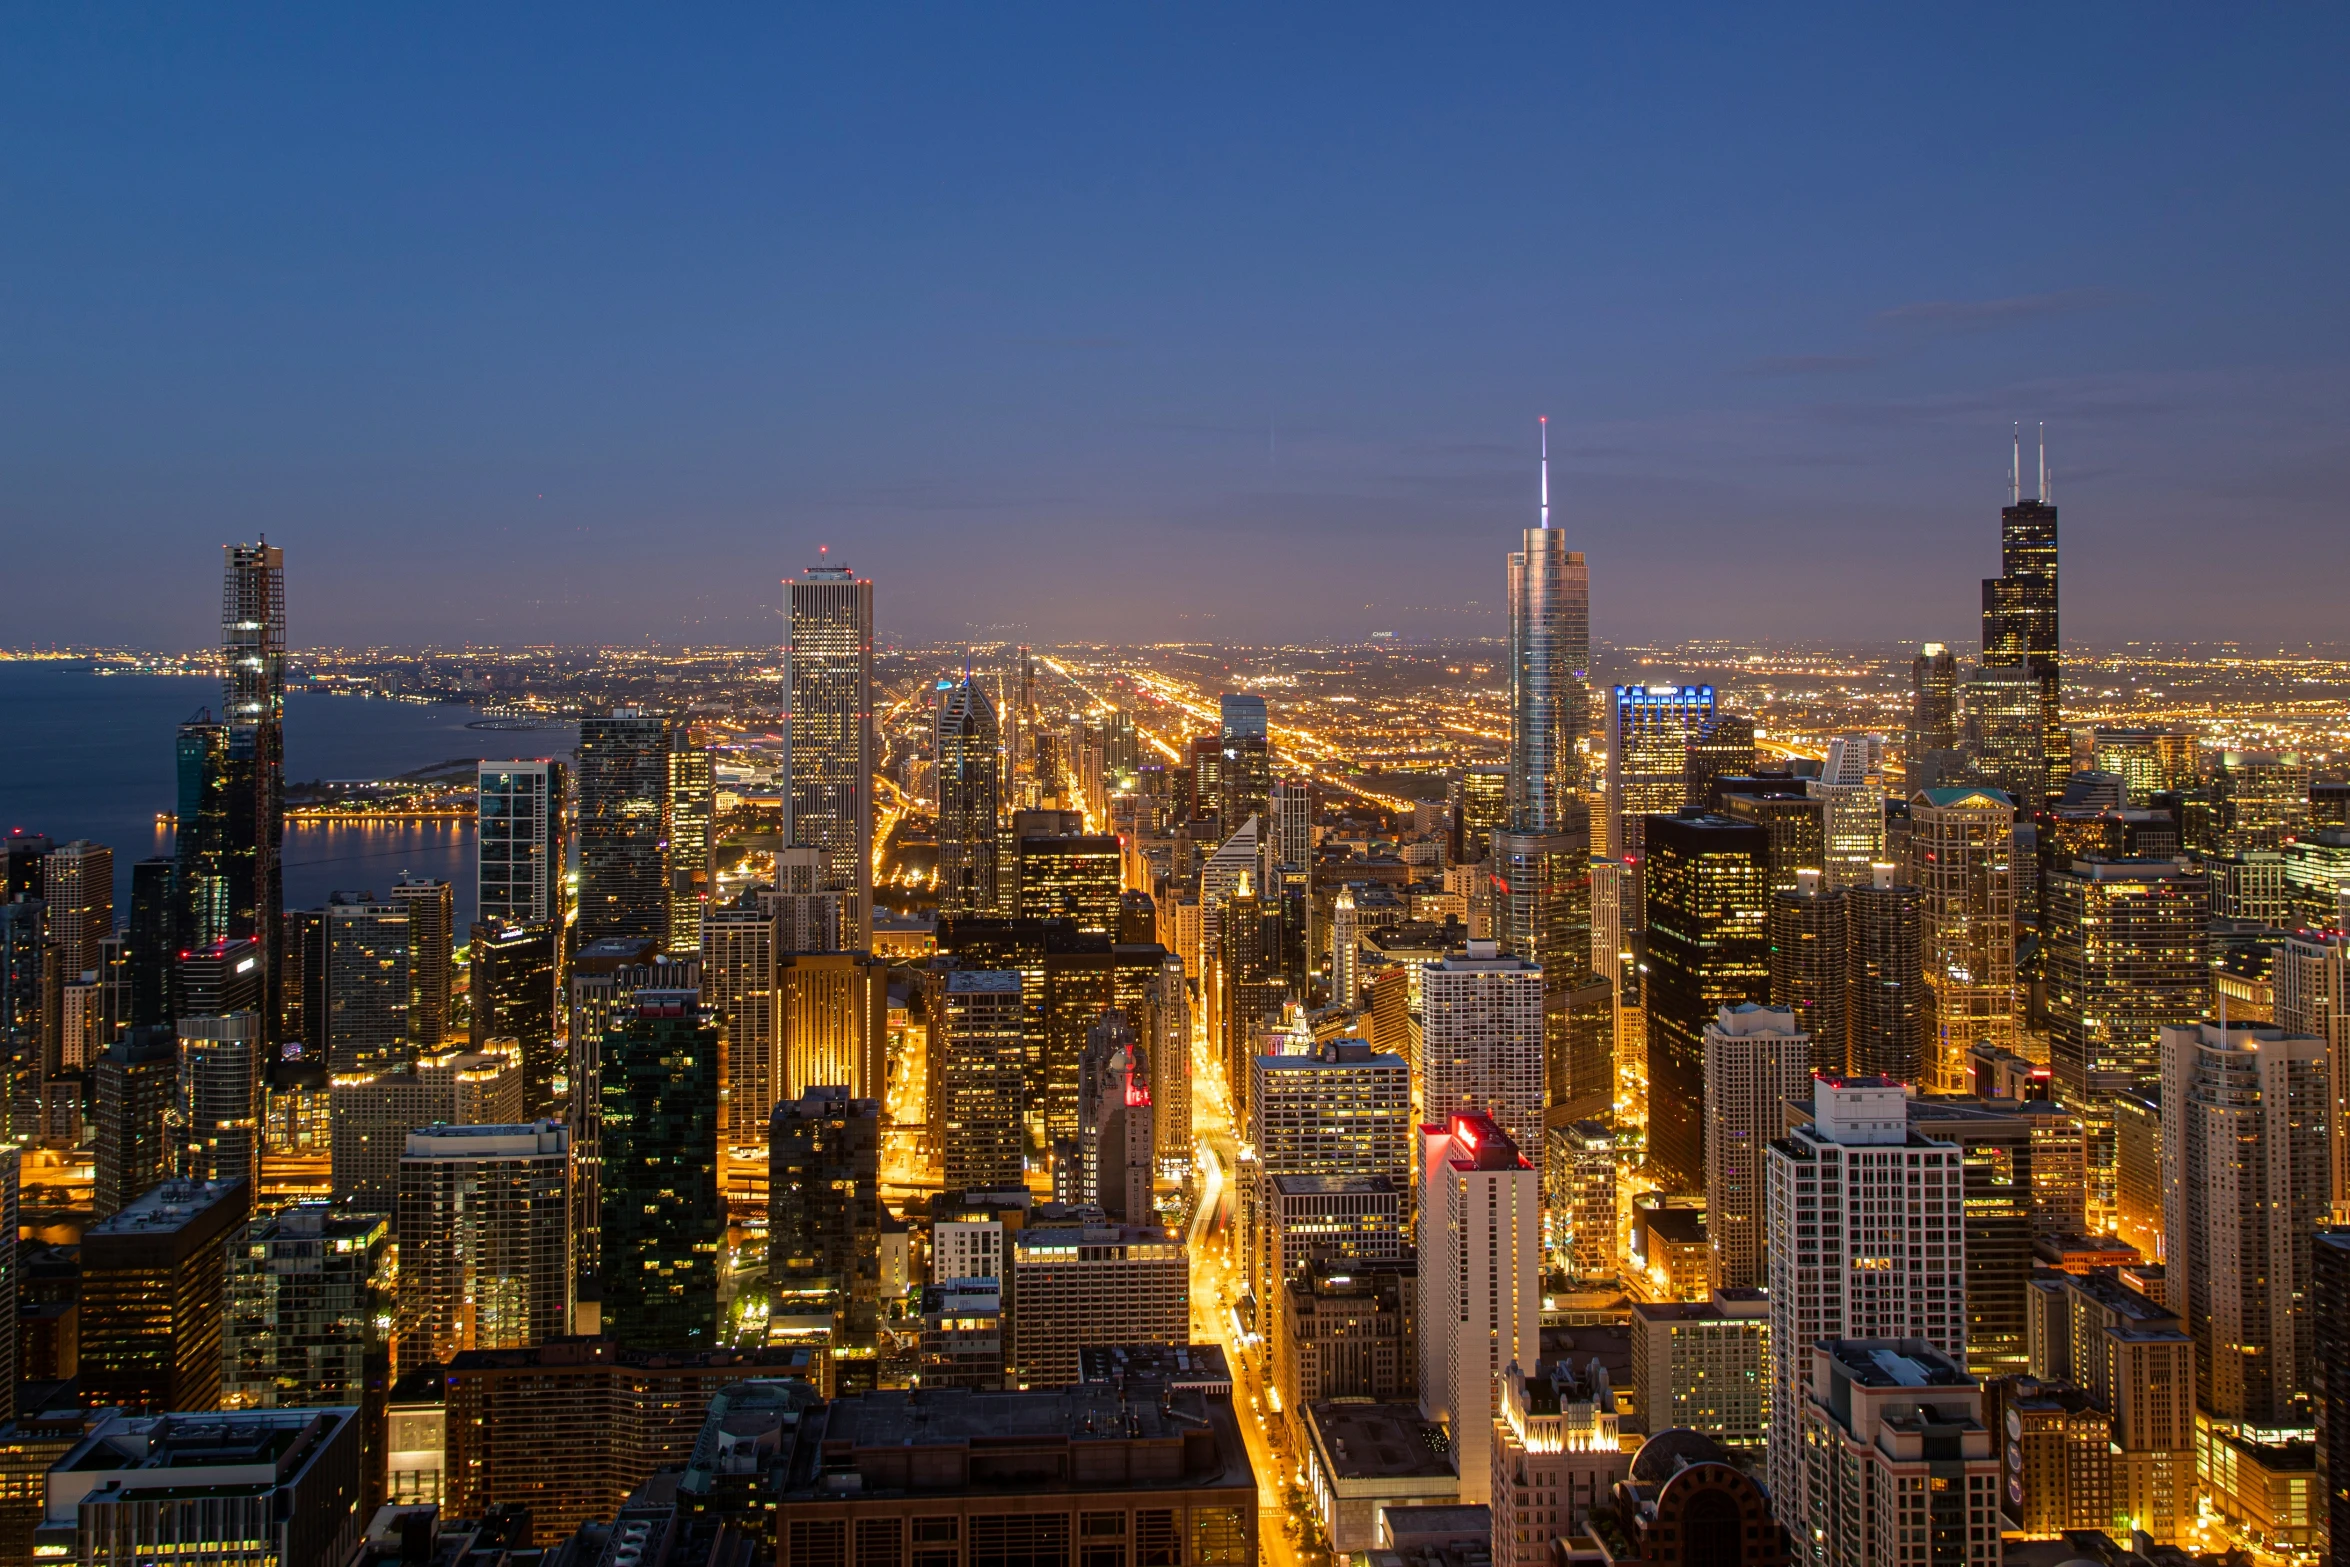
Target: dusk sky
x=1149 y=322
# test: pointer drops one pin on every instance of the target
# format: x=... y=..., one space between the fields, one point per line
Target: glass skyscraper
x=828 y=732
x=664 y=1222
x=2020 y=621
x=970 y=800
x=253 y=660
x=624 y=826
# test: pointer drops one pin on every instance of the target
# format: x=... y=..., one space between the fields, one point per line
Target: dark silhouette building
x=1708 y=883
x=664 y=1221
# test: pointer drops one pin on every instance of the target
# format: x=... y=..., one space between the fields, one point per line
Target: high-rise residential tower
x=484 y=1221
x=1962 y=857
x=432 y=913
x=970 y=800
x=1480 y=1282
x=253 y=658
x=624 y=805
x=664 y=1221
x=1756 y=1059
x=1482 y=1040
x=829 y=734
x=2020 y=618
x=692 y=807
x=1933 y=702
x=521 y=825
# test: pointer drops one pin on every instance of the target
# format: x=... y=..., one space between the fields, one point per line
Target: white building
x=1481 y=1040
x=1480 y=1282
x=1867 y=1240
x=1756 y=1059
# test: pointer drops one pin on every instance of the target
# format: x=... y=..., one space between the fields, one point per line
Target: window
x=880 y=1542
x=1020 y=1540
x=818 y=1542
x=1157 y=1542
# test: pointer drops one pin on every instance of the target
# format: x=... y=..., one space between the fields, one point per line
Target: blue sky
x=540 y=324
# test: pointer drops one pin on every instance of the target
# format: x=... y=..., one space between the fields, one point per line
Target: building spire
x=2015 y=467
x=1545 y=422
x=2043 y=462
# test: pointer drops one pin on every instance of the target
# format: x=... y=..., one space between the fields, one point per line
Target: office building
x=623 y=819
x=2127 y=956
x=251 y=795
x=256 y=1486
x=824 y=1225
x=306 y=1289
x=692 y=816
x=1848 y=1257
x=218 y=1110
x=1933 y=702
x=980 y=1102
x=2132 y=1364
x=1245 y=774
x=1482 y=1040
x=970 y=800
x=1808 y=967
x=1649 y=728
x=1756 y=1059
x=738 y=985
x=521 y=828
x=1579 y=1199
x=77 y=884
x=153 y=1296
x=484 y=1222
x=830 y=749
x=2259 y=799
x=1481 y=802
x=1708 y=947
x=1668 y=1256
x=432 y=915
x=1721 y=747
x=2020 y=623
x=370 y=1115
x=1172 y=1473
x=1797 y=825
x=664 y=1221
x=604 y=979
x=1852 y=829
x=151 y=941
x=1899 y=1467
x=1962 y=858
x=1556 y=1454
x=1079 y=1284
x=368 y=984
x=1705 y=1366
x=1480 y=1283
x=568 y=1430
x=1342 y=1111
x=2245 y=1184
x=1347 y=1331
x=2329 y=1311
x=302 y=995
x=2149 y=761
x=1888 y=1005
x=1071 y=876
x=514 y=969
x=135 y=1084
x=2005 y=743
x=1343 y=1217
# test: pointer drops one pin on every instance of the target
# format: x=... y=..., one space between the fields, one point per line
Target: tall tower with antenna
x=2020 y=626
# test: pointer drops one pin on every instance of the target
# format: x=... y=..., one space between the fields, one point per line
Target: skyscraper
x=136 y=1081
x=2005 y=739
x=253 y=657
x=154 y=1277
x=521 y=825
x=2311 y=981
x=978 y=1108
x=1933 y=702
x=1756 y=1059
x=367 y=985
x=1245 y=775
x=219 y=1101
x=624 y=803
x=824 y=1225
x=1648 y=756
x=1888 y=1006
x=1480 y=1283
x=305 y=1290
x=692 y=804
x=664 y=1222
x=432 y=915
x=1343 y=1111
x=1867 y=1240
x=828 y=731
x=2128 y=956
x=1808 y=967
x=2020 y=628
x=77 y=882
x=484 y=1223
x=2245 y=1185
x=970 y=801
x=1482 y=1041
x=513 y=985
x=1550 y=669
x=1708 y=948
x=1962 y=857
x=738 y=984
x=832 y=1023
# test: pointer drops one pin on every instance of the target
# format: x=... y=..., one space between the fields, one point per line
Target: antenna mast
x=1545 y=422
x=2043 y=462
x=2015 y=467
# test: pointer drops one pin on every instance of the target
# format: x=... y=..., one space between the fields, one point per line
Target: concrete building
x=2134 y=1365
x=1480 y=1282
x=1342 y=1111
x=1848 y=1256
x=153 y=1297
x=306 y=1290
x=1686 y=1502
x=1349 y=1331
x=1705 y=1366
x=1898 y=1467
x=1482 y=1041
x=1556 y=1454
x=981 y=1081
x=1756 y=1059
x=1364 y=1458
x=1079 y=1284
x=371 y=1114
x=1962 y=858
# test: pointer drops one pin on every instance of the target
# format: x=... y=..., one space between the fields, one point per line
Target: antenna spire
x=2043 y=462
x=2015 y=467
x=1545 y=423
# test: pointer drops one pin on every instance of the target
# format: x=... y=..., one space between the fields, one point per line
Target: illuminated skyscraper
x=1962 y=857
x=1721 y=747
x=77 y=882
x=1480 y=1282
x=432 y=913
x=1933 y=701
x=692 y=804
x=1756 y=1059
x=2020 y=622
x=664 y=1222
x=521 y=827
x=2128 y=956
x=1550 y=669
x=1808 y=966
x=1888 y=1006
x=368 y=990
x=253 y=656
x=1245 y=774
x=1482 y=1040
x=624 y=826
x=217 y=1120
x=1649 y=728
x=1708 y=881
x=2005 y=739
x=515 y=997
x=484 y=1221
x=978 y=1109
x=970 y=801
x=828 y=733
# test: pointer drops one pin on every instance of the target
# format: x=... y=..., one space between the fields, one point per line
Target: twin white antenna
x=2015 y=467
x=1545 y=422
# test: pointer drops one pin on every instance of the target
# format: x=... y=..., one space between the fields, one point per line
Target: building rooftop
x=1896 y=1363
x=1367 y=1441
x=161 y=1210
x=967 y=981
x=1198 y=1367
x=1310 y=1185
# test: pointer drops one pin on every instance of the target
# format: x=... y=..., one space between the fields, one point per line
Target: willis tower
x=2019 y=617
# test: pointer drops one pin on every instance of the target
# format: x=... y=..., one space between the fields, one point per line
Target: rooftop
x=1379 y=1441
x=165 y=1208
x=1896 y=1363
